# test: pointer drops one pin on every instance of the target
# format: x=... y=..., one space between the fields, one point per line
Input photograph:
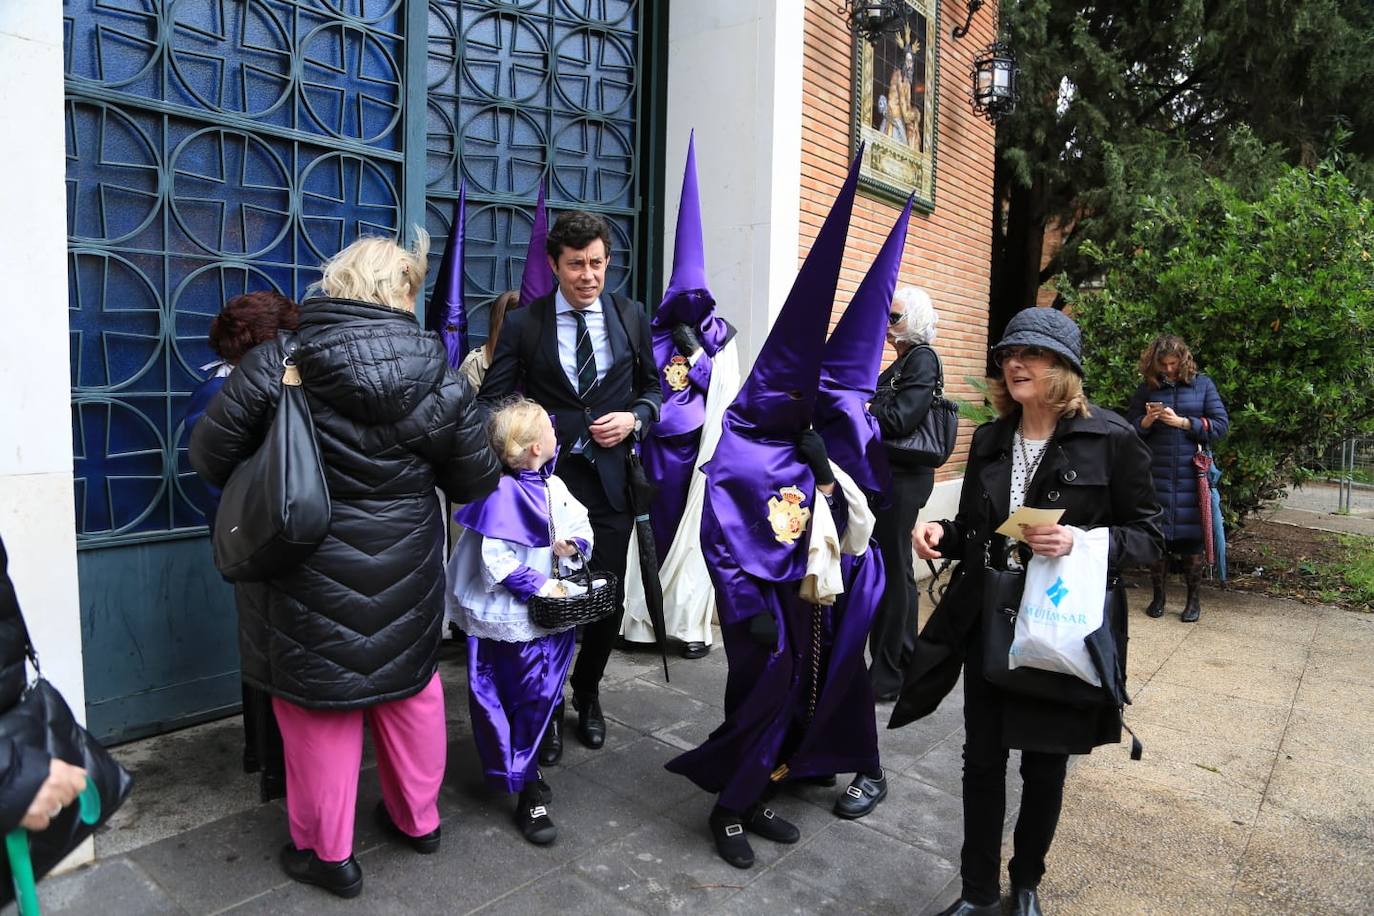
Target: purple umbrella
x=538 y=279
x=446 y=314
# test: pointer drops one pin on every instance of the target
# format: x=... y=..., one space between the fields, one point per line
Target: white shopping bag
x=1061 y=605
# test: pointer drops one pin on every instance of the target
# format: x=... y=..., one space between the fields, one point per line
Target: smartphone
x=1155 y=405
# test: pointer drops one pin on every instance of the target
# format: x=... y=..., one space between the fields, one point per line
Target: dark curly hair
x=577 y=229
x=1162 y=346
x=248 y=320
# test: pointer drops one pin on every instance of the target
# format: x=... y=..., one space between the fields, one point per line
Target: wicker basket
x=596 y=603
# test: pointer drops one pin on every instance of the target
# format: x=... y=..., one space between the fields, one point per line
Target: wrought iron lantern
x=870 y=20
x=994 y=82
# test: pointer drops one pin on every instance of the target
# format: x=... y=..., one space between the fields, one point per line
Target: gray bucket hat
x=1048 y=328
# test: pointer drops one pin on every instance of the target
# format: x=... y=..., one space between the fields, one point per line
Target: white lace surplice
x=478 y=602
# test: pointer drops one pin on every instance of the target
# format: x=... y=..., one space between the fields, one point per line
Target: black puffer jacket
x=359 y=622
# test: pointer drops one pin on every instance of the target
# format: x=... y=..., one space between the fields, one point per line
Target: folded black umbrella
x=641 y=498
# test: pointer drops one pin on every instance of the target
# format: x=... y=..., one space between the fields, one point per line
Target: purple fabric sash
x=516 y=511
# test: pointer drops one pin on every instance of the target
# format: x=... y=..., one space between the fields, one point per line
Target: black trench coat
x=1098 y=471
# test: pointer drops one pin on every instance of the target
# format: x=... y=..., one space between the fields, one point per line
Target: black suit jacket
x=526 y=359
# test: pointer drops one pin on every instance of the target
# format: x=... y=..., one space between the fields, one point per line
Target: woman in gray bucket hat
x=1050 y=449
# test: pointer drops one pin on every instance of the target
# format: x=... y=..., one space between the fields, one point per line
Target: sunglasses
x=1023 y=354
x=894 y=317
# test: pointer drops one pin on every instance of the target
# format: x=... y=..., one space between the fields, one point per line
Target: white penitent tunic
x=689 y=602
x=478 y=602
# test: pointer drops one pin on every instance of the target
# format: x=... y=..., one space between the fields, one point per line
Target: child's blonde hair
x=513 y=428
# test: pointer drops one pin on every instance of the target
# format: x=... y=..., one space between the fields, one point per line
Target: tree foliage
x=1275 y=296
x=1121 y=99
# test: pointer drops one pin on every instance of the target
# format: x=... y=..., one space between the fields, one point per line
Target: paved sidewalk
x=1256 y=792
x=633 y=837
x=1256 y=795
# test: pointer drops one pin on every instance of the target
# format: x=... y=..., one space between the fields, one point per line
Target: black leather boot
x=551 y=745
x=1192 y=576
x=343 y=879
x=962 y=907
x=591 y=726
x=425 y=845
x=1025 y=902
x=1158 y=571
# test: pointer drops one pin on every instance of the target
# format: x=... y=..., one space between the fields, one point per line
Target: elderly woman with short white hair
x=905 y=390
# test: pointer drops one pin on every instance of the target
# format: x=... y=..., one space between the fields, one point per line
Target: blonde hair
x=1063 y=393
x=513 y=428
x=377 y=270
x=1162 y=346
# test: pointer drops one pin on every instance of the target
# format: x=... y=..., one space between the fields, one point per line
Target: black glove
x=811 y=447
x=685 y=339
x=763 y=629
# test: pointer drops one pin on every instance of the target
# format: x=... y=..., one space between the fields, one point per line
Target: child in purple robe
x=506 y=555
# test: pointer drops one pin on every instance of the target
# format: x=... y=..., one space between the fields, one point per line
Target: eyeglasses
x=1022 y=354
x=894 y=317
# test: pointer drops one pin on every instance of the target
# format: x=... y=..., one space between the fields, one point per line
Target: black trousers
x=611 y=533
x=985 y=796
x=892 y=638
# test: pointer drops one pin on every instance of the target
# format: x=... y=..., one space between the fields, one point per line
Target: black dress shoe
x=532 y=816
x=962 y=907
x=426 y=844
x=1025 y=902
x=551 y=745
x=591 y=727
x=727 y=829
x=695 y=650
x=766 y=823
x=344 y=879
x=861 y=796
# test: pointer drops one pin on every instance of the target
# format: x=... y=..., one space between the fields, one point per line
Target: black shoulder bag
x=275 y=509
x=42 y=719
x=932 y=441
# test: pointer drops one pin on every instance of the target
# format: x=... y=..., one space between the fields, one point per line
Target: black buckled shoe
x=591 y=726
x=695 y=650
x=532 y=816
x=1025 y=902
x=727 y=829
x=861 y=796
x=962 y=907
x=766 y=823
x=551 y=745
x=425 y=845
x=343 y=879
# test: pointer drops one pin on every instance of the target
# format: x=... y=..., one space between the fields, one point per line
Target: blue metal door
x=221 y=146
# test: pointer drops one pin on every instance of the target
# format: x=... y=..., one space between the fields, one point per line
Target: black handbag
x=275 y=508
x=42 y=719
x=1002 y=590
x=562 y=612
x=931 y=443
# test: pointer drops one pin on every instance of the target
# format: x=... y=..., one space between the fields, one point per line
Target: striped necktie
x=586 y=357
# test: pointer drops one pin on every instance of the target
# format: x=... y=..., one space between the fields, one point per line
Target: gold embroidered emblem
x=787 y=515
x=675 y=373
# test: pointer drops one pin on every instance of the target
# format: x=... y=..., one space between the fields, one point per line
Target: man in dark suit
x=587 y=357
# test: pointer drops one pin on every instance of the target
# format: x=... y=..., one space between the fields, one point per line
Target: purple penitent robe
x=767 y=693
x=670 y=451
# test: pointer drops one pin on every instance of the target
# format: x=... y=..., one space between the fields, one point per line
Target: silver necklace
x=1030 y=466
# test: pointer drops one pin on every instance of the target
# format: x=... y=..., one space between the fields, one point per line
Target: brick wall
x=947 y=251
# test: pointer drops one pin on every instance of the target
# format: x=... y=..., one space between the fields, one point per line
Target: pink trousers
x=324 y=750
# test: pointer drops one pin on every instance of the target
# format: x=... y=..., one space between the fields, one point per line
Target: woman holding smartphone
x=1176 y=410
